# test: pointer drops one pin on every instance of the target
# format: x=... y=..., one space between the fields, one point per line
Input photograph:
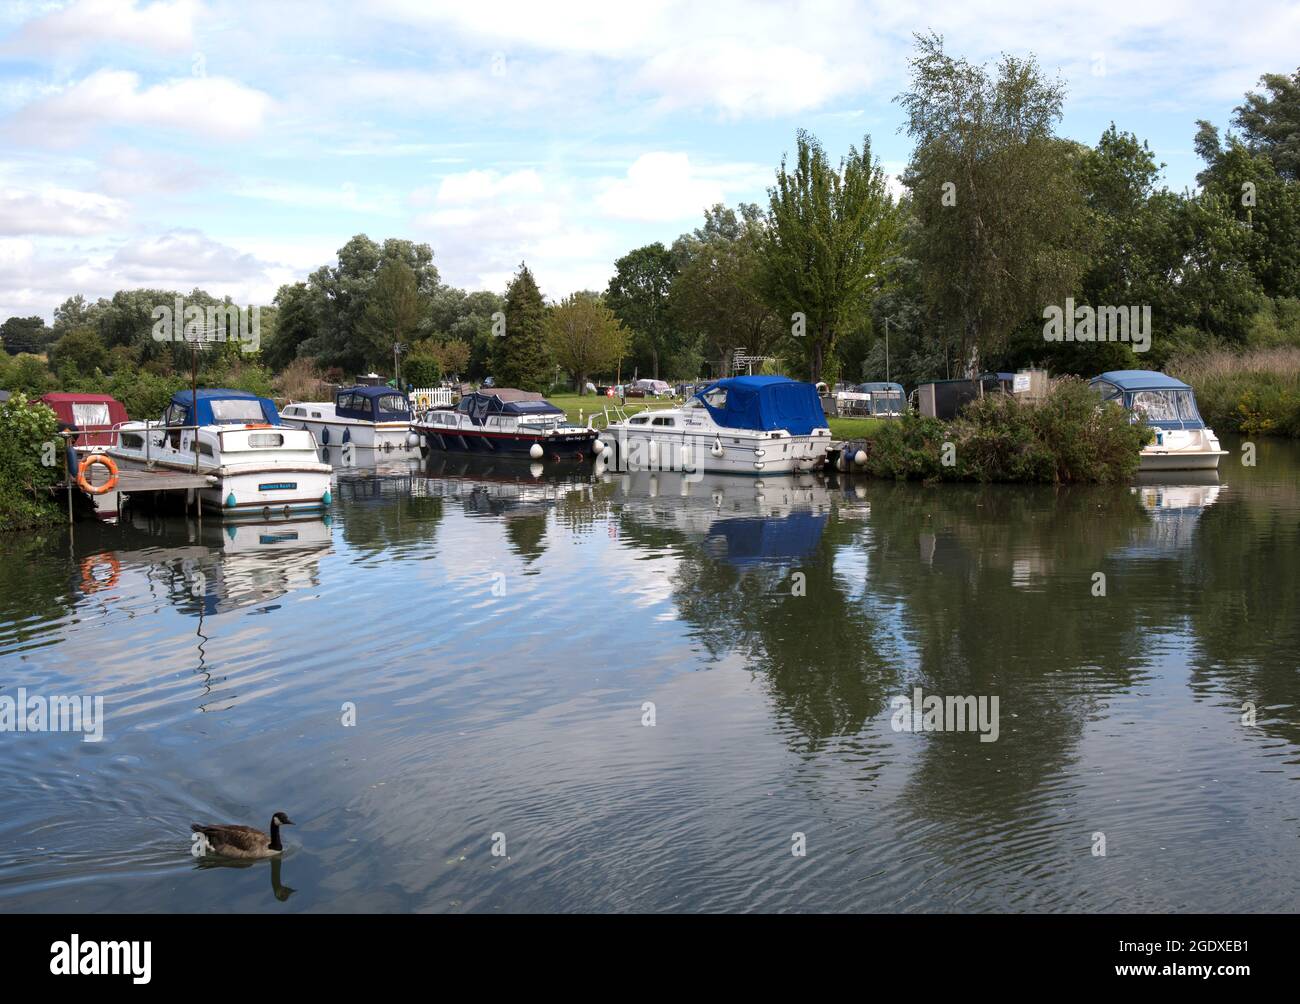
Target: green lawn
x=587 y=403
x=854 y=428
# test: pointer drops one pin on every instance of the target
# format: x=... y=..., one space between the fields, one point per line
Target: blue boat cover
x=372 y=404
x=211 y=412
x=504 y=401
x=1141 y=380
x=1160 y=399
x=767 y=403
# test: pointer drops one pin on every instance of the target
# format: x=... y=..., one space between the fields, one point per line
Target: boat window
x=232 y=410
x=1186 y=405
x=640 y=420
x=132 y=442
x=264 y=440
x=1108 y=391
x=393 y=403
x=205 y=448
x=663 y=421
x=315 y=414
x=716 y=398
x=174 y=415
x=1156 y=405
x=90 y=414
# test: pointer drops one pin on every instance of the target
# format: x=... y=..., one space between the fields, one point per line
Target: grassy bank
x=1067 y=438
x=1253 y=393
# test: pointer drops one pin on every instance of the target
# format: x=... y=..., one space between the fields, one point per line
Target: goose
x=233 y=841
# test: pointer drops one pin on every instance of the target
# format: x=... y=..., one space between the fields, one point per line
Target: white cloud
x=164 y=26
x=182 y=256
x=665 y=187
x=214 y=107
x=479 y=186
x=50 y=210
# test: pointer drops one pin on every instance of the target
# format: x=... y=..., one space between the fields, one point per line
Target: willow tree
x=1002 y=227
x=829 y=232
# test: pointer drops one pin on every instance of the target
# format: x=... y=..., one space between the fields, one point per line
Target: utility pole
x=886 y=350
x=398 y=348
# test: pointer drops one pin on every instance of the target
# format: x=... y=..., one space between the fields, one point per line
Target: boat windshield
x=237 y=410
x=90 y=414
x=1165 y=405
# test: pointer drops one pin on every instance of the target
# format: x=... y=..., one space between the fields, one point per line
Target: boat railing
x=150 y=427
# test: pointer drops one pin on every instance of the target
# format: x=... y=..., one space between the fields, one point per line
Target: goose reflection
x=278 y=889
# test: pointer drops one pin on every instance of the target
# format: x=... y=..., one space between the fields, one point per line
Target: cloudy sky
x=236 y=146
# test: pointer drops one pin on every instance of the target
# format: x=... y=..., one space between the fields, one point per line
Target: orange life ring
x=87 y=464
x=90 y=584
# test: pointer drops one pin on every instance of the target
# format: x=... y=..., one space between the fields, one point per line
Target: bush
x=421 y=370
x=1069 y=437
x=29 y=374
x=28 y=438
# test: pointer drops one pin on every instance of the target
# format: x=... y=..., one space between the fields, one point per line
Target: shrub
x=28 y=438
x=1252 y=393
x=29 y=374
x=1069 y=437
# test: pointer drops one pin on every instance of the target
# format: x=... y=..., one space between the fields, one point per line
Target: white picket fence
x=424 y=398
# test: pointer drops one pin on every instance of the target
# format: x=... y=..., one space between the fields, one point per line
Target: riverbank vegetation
x=1255 y=393
x=31 y=463
x=1067 y=438
x=832 y=278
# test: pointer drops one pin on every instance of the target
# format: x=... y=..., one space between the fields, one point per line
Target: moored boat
x=1182 y=440
x=260 y=465
x=373 y=418
x=505 y=421
x=737 y=425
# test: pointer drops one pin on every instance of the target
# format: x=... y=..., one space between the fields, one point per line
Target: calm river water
x=502 y=639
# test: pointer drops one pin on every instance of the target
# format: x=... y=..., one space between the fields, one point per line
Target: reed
x=1256 y=392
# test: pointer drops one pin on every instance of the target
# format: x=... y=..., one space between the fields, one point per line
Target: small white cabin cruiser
x=737 y=425
x=257 y=465
x=372 y=418
x=1168 y=406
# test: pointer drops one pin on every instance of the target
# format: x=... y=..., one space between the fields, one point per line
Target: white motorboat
x=1182 y=441
x=257 y=466
x=757 y=425
x=372 y=418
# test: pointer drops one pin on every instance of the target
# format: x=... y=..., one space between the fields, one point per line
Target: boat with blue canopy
x=373 y=418
x=736 y=425
x=256 y=465
x=1182 y=440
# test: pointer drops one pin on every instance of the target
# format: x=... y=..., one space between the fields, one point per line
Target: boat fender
x=325 y=436
x=860 y=458
x=717 y=447
x=84 y=468
x=536 y=452
x=347 y=436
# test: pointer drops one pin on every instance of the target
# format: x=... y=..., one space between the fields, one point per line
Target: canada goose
x=232 y=841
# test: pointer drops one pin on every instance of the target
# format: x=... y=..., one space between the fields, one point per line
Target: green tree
x=638 y=295
x=27 y=440
x=829 y=233
x=585 y=337
x=717 y=293
x=25 y=334
x=393 y=312
x=1270 y=122
x=1002 y=225
x=79 y=353
x=297 y=321
x=520 y=353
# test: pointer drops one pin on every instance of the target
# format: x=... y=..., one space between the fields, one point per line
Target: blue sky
x=236 y=146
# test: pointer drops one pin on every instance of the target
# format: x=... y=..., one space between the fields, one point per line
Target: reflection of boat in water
x=743 y=521
x=227 y=566
x=1175 y=503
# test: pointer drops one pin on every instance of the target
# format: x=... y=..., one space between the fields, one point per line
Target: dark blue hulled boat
x=505 y=421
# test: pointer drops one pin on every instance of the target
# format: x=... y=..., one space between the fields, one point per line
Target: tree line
x=833 y=278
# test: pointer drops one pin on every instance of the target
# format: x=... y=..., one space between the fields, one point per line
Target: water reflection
x=771 y=621
x=279 y=890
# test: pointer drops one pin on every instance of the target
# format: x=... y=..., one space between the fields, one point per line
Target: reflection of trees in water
x=385 y=511
x=1246 y=572
x=38 y=583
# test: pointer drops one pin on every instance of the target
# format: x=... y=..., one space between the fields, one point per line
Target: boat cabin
x=763 y=403
x=94 y=415
x=507 y=410
x=1156 y=398
x=372 y=404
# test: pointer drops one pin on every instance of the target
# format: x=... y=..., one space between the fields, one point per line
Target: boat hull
x=715 y=452
x=386 y=436
x=557 y=446
x=1202 y=460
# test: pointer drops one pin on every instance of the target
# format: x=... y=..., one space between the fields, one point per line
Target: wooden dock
x=142 y=479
